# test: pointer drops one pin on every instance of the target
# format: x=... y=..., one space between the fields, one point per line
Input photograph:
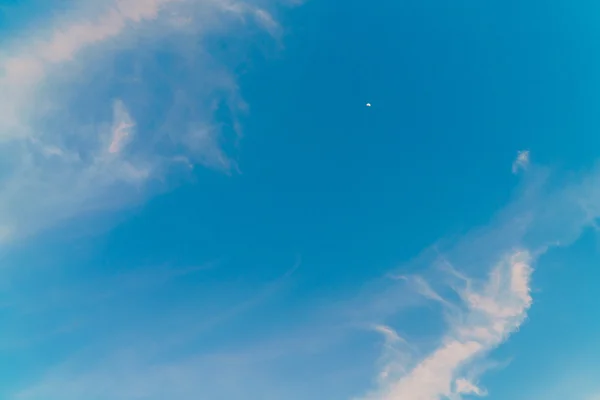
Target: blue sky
x=196 y=203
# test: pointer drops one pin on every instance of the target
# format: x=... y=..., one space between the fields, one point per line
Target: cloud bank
x=111 y=97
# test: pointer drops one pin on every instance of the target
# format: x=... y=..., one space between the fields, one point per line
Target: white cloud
x=267 y=21
x=490 y=311
x=79 y=125
x=521 y=162
x=391 y=336
x=66 y=41
x=122 y=128
x=480 y=311
x=463 y=386
x=27 y=64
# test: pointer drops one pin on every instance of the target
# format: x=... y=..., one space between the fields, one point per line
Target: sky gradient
x=197 y=203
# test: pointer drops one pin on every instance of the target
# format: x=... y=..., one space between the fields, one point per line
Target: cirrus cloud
x=110 y=97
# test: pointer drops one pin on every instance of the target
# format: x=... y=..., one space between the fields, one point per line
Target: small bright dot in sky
x=368 y=104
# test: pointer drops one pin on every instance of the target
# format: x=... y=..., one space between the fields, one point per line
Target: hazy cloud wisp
x=91 y=115
x=521 y=162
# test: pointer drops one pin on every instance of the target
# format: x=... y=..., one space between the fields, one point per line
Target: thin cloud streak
x=133 y=365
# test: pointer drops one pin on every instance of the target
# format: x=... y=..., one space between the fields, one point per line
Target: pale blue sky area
x=197 y=203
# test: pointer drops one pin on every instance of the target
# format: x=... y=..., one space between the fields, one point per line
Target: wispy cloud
x=164 y=362
x=489 y=312
x=521 y=162
x=82 y=129
x=67 y=41
x=474 y=291
x=391 y=336
x=482 y=285
x=87 y=112
x=122 y=128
